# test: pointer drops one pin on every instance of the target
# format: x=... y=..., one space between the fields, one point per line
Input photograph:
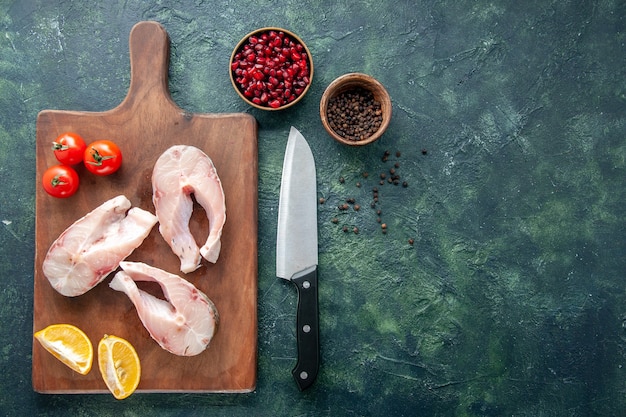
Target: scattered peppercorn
x=390 y=175
x=424 y=151
x=322 y=200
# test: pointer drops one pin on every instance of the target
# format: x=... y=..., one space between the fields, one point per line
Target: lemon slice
x=68 y=344
x=119 y=366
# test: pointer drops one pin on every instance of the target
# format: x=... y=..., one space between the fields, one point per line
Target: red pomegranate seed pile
x=271 y=69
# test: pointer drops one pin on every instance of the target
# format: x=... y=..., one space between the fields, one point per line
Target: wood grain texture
x=145 y=124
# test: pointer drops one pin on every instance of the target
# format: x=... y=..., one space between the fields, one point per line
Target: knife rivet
x=306 y=285
x=306 y=328
x=304 y=375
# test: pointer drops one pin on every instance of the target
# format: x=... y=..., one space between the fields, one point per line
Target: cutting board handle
x=149 y=46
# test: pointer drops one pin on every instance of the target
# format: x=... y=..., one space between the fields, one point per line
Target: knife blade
x=296 y=250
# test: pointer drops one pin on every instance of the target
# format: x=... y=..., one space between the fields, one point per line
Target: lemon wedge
x=119 y=365
x=68 y=344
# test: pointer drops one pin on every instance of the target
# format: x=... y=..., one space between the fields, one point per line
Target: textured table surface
x=510 y=126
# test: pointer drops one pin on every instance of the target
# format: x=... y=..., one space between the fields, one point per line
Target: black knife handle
x=307 y=322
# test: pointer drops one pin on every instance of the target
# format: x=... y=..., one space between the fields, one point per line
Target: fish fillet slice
x=184 y=323
x=91 y=248
x=179 y=172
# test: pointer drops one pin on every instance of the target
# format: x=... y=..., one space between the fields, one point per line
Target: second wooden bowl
x=348 y=83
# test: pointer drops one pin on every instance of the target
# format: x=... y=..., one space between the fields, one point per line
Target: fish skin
x=184 y=323
x=180 y=171
x=94 y=245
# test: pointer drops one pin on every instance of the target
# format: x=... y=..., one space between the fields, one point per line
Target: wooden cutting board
x=144 y=125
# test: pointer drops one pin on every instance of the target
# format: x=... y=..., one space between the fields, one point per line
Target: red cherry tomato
x=60 y=181
x=102 y=157
x=69 y=148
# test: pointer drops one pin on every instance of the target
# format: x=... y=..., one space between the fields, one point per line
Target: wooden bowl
x=296 y=92
x=350 y=82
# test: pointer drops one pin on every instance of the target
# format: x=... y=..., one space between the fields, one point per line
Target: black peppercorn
x=354 y=114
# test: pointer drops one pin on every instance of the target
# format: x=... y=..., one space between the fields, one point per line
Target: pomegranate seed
x=275 y=104
x=258 y=75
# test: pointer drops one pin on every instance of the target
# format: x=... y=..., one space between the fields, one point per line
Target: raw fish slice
x=179 y=172
x=184 y=324
x=91 y=248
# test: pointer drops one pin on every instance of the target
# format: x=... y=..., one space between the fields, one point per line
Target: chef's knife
x=296 y=250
